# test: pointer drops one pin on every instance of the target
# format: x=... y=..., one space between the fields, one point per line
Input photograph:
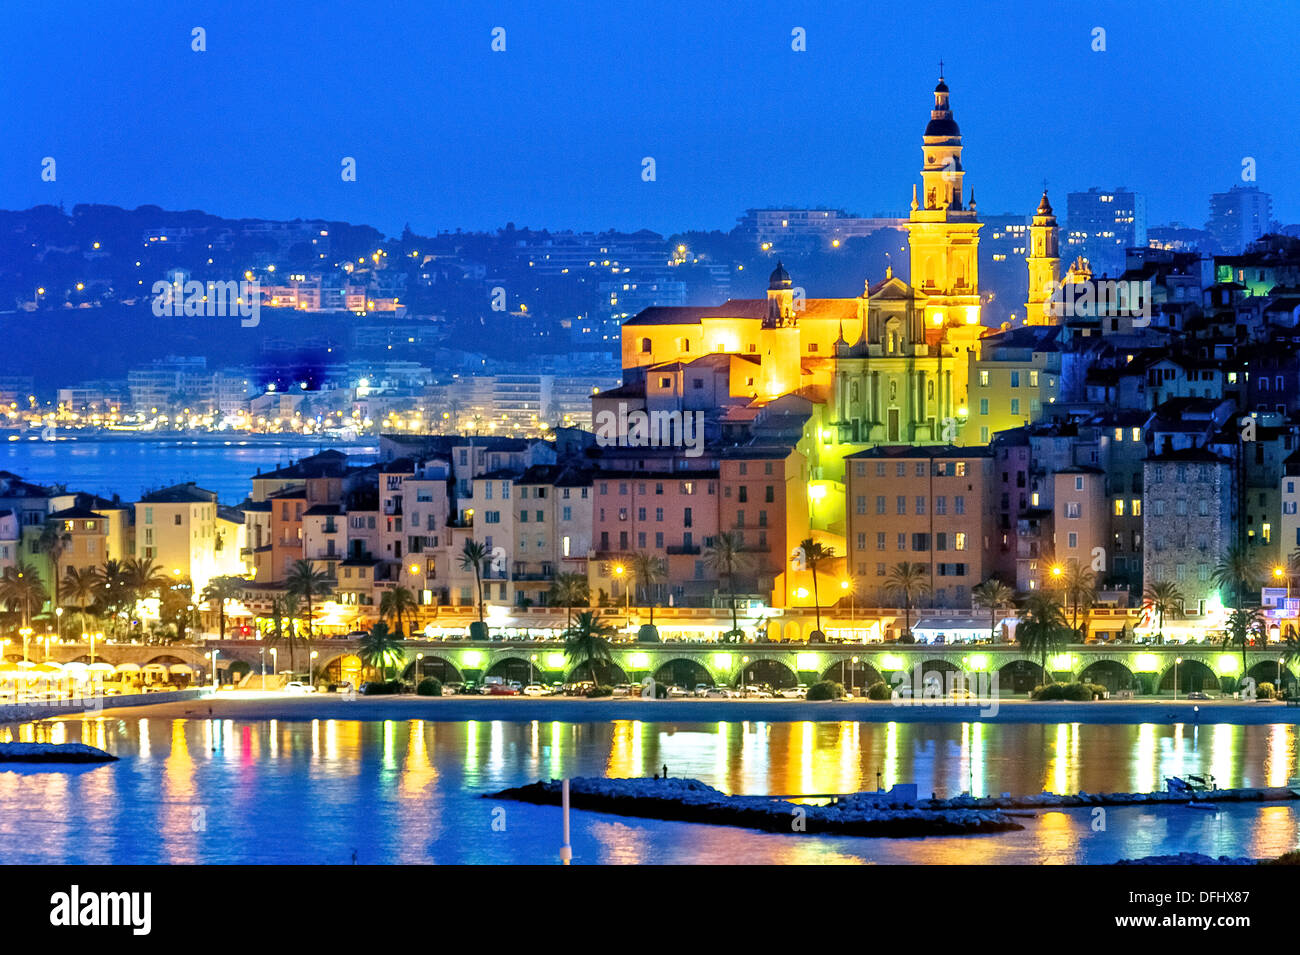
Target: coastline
x=258 y=705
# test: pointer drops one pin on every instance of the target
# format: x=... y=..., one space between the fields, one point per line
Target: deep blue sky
x=551 y=133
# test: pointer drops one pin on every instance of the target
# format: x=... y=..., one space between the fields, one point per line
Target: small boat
x=1213 y=807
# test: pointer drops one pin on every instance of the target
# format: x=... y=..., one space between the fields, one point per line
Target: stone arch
x=520 y=669
x=763 y=670
x=342 y=667
x=607 y=674
x=1192 y=675
x=683 y=672
x=1112 y=674
x=859 y=675
x=1267 y=671
x=1020 y=676
x=791 y=631
x=438 y=667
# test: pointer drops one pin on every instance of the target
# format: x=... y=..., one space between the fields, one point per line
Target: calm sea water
x=130 y=467
x=230 y=791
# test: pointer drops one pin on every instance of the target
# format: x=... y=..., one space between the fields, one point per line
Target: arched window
x=645 y=346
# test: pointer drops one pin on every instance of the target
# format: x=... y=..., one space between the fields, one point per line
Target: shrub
x=733 y=636
x=817 y=636
x=478 y=630
x=880 y=691
x=429 y=686
x=1075 y=692
x=596 y=691
x=826 y=690
x=380 y=688
x=907 y=637
x=647 y=633
x=1266 y=691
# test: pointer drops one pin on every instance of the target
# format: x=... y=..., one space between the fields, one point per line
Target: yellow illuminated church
x=889 y=366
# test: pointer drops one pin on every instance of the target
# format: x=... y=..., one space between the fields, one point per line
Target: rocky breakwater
x=53 y=753
x=689 y=800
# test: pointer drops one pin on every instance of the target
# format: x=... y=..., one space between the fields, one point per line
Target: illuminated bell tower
x=1044 y=262
x=943 y=229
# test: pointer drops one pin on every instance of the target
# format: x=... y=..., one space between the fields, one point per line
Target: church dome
x=779 y=279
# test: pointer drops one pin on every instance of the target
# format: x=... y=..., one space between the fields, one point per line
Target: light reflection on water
x=223 y=791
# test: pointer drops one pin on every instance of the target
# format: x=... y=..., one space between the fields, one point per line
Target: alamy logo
x=131 y=909
x=1120 y=298
x=654 y=429
x=190 y=298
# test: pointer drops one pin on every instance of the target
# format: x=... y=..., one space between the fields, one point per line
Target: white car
x=676 y=691
x=297 y=686
x=536 y=689
x=702 y=689
x=795 y=692
x=762 y=692
x=720 y=693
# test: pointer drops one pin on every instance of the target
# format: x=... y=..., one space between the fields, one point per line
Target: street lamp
x=1177 y=660
x=852 y=670
x=532 y=665
x=311 y=668
x=418 y=658
x=58 y=622
x=847 y=585
x=213 y=655
x=275 y=664
x=620 y=571
x=743 y=662
x=1279 y=572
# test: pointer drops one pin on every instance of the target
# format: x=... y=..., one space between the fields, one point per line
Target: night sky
x=551 y=133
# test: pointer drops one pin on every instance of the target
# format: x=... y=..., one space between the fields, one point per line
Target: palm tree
x=587 y=641
x=218 y=591
x=649 y=572
x=21 y=589
x=567 y=590
x=82 y=586
x=992 y=595
x=908 y=580
x=472 y=556
x=305 y=581
x=1162 y=597
x=116 y=594
x=284 y=612
x=1042 y=628
x=142 y=578
x=1079 y=587
x=397 y=603
x=381 y=649
x=814 y=552
x=1240 y=568
x=53 y=542
x=726 y=557
x=1242 y=624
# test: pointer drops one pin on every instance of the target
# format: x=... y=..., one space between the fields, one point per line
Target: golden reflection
x=1146 y=764
x=1277 y=764
x=180 y=803
x=556 y=751
x=891 y=756
x=620 y=762
x=1225 y=758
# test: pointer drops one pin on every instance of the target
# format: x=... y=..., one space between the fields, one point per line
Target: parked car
x=451 y=689
x=502 y=689
x=795 y=692
x=762 y=692
x=536 y=689
x=702 y=689
x=720 y=693
x=1198 y=695
x=676 y=691
x=622 y=689
x=297 y=686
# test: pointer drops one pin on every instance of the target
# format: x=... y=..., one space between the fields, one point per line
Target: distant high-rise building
x=792 y=230
x=1238 y=217
x=1101 y=224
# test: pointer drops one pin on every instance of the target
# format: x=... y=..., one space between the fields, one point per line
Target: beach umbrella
x=181 y=668
x=123 y=667
x=102 y=667
x=154 y=668
x=10 y=672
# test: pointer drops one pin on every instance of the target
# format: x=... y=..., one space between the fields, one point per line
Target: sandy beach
x=257 y=705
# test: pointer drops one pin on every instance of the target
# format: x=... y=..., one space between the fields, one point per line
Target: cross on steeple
x=941 y=69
